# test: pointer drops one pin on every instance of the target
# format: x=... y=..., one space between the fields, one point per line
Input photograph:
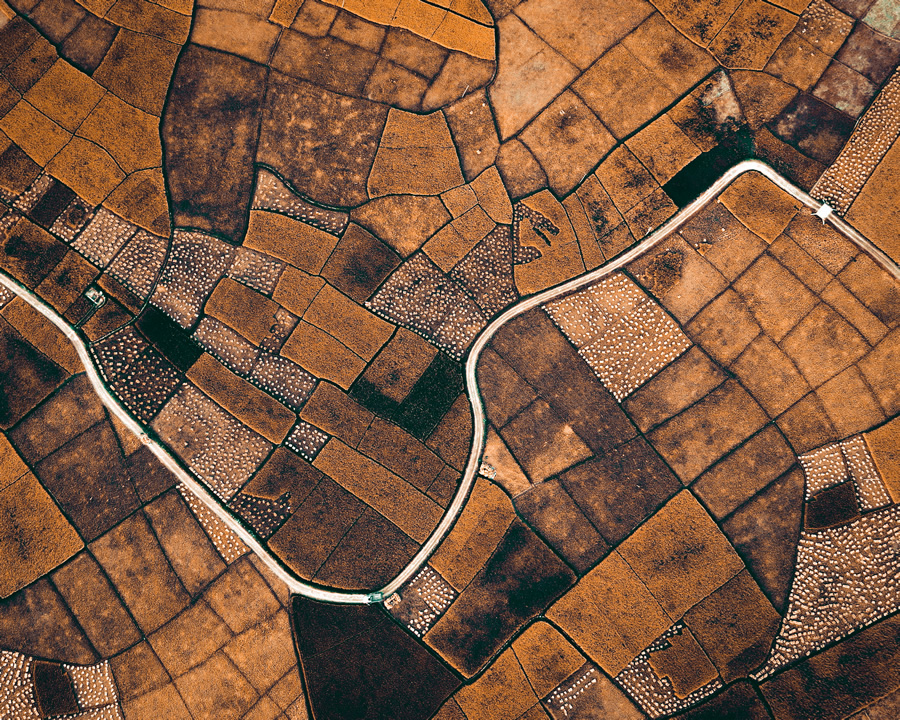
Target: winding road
x=453 y=511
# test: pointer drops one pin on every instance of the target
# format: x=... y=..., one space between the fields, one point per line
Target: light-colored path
x=479 y=421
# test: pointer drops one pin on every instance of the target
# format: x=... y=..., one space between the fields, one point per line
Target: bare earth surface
x=387 y=360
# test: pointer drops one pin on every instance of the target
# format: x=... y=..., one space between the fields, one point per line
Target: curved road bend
x=447 y=521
